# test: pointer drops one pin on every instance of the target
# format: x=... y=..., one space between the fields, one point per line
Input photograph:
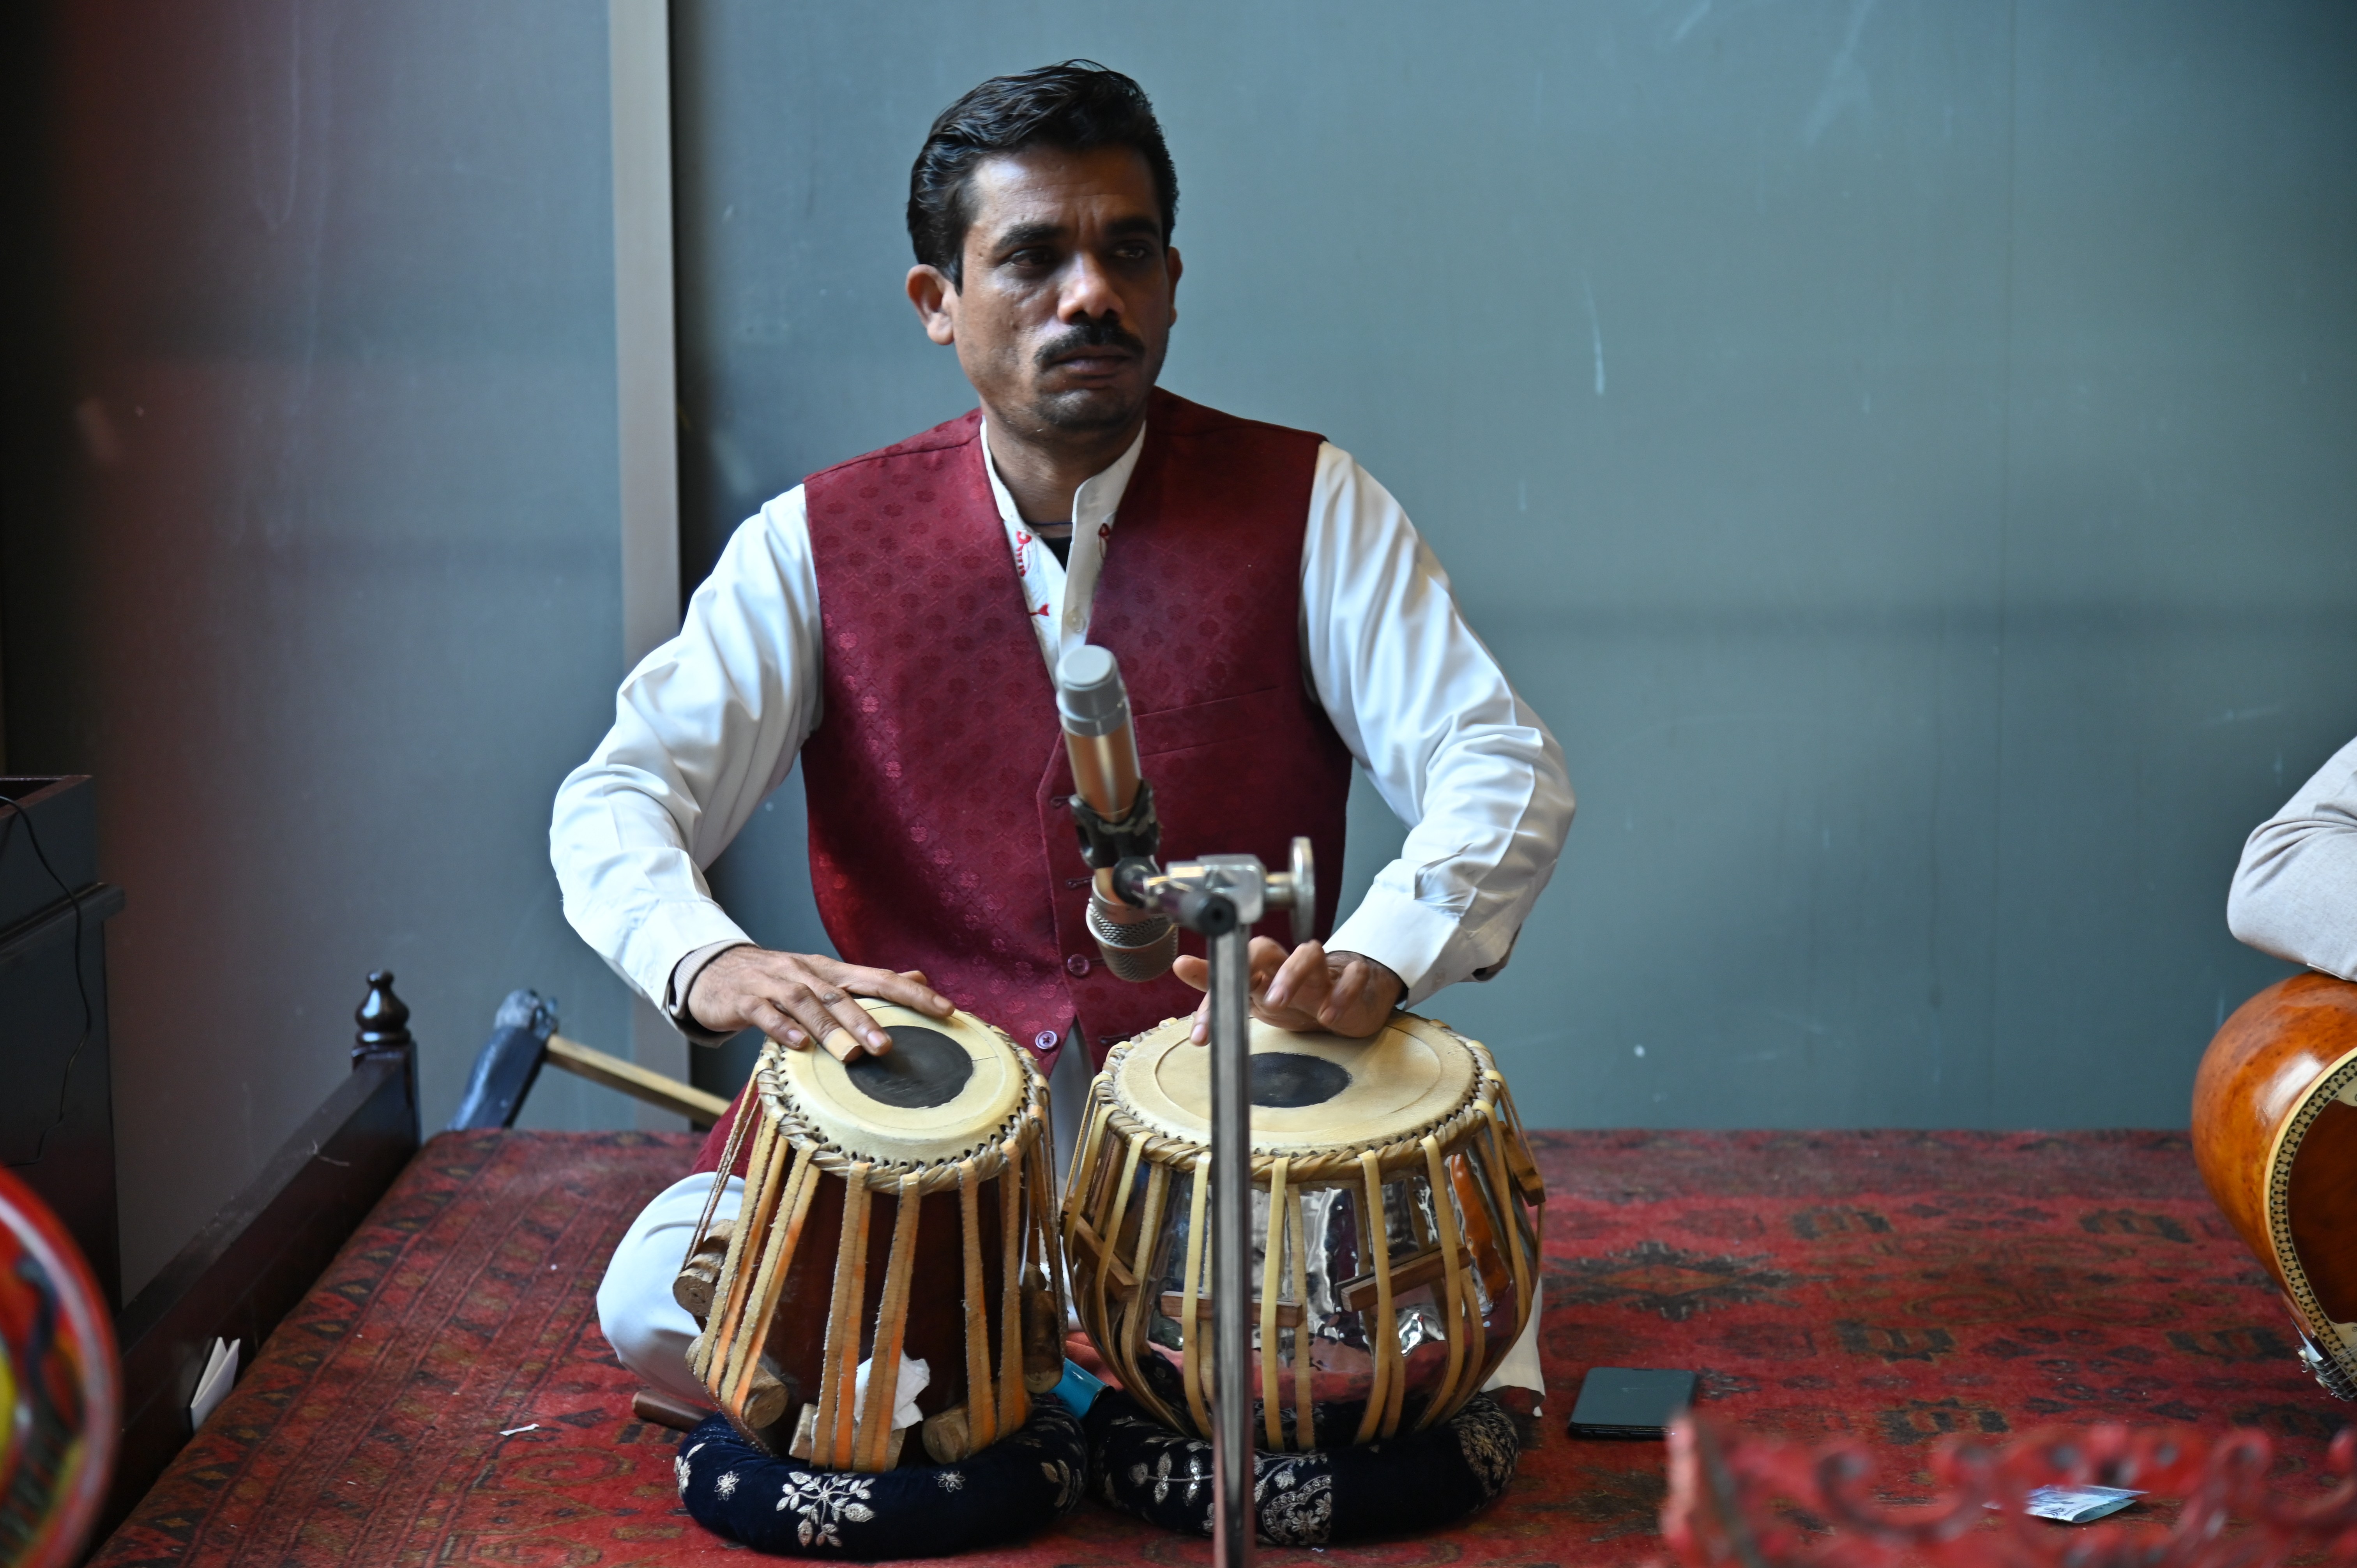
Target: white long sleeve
x=710 y=722
x=703 y=729
x=2295 y=893
x=1427 y=711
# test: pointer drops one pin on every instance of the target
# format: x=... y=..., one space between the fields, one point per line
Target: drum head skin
x=1310 y=1092
x=947 y=1086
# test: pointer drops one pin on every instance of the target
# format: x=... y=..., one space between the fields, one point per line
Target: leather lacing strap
x=1038 y=1198
x=1139 y=1313
x=1093 y=1113
x=1379 y=1418
x=831 y=1445
x=754 y=1215
x=873 y=1432
x=1271 y=1277
x=1078 y=1183
x=745 y=1351
x=1477 y=1347
x=1013 y=1404
x=1305 y=1416
x=1458 y=1298
x=1190 y=1354
x=1520 y=1165
x=736 y=1128
x=981 y=1410
x=1110 y=1211
x=1493 y=1148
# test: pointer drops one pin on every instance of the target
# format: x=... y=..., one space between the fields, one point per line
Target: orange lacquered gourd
x=2275 y=1132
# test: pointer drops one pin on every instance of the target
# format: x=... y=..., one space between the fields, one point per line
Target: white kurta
x=2294 y=894
x=710 y=722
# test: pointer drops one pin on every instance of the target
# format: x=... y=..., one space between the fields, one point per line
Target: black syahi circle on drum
x=924 y=1068
x=1287 y=1079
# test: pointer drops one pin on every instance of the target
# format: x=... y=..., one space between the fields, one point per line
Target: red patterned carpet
x=1893 y=1287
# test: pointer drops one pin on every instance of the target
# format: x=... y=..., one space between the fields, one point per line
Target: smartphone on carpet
x=1630 y=1402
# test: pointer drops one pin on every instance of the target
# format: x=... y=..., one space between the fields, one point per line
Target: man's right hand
x=795 y=998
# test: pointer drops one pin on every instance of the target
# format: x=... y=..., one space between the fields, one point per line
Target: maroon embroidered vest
x=939 y=839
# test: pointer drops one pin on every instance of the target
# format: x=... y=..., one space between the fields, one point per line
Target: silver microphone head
x=1135 y=945
x=1089 y=692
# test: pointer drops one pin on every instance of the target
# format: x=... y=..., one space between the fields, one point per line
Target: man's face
x=1064 y=312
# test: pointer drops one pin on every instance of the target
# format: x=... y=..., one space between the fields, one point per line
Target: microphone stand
x=1221 y=896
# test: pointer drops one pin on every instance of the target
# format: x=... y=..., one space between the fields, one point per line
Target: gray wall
x=1906 y=451
x=323 y=583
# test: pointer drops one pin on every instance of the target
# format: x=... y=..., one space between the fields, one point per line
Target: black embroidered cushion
x=1418 y=1481
x=783 y=1506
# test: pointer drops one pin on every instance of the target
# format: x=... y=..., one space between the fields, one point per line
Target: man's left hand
x=1309 y=988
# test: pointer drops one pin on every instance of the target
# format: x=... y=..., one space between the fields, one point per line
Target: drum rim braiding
x=937 y=1173
x=2331 y=1356
x=1334 y=1163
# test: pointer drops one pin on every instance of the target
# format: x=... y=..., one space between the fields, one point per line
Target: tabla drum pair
x=901 y=1206
x=1396 y=1229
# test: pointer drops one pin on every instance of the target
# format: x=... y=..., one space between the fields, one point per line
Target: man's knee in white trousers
x=648 y=1329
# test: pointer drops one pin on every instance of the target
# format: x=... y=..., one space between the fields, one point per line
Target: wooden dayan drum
x=1359 y=1329
x=898 y=1205
x=2275 y=1132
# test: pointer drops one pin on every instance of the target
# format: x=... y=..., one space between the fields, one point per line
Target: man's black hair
x=1079 y=106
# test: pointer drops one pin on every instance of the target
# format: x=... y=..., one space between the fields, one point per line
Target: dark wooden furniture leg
x=257 y=1257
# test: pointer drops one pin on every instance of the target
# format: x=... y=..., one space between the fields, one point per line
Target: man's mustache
x=1100 y=332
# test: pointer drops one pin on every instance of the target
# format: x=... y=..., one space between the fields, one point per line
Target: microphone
x=1114 y=808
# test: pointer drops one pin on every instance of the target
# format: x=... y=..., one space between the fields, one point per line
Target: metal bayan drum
x=899 y=1206
x=1360 y=1328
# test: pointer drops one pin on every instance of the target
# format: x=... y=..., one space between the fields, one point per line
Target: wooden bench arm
x=524 y=1036
x=638 y=1082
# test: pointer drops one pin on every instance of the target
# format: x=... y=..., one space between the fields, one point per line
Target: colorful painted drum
x=900 y=1206
x=1401 y=1264
x=60 y=1401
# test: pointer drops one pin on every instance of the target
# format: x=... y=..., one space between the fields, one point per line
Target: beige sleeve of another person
x=2294 y=894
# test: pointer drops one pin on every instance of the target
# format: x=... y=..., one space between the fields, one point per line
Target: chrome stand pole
x=1221 y=896
x=1231 y=1215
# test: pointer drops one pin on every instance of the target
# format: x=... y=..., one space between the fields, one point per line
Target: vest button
x=1078 y=964
x=1045 y=1041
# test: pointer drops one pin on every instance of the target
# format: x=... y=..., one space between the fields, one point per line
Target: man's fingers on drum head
x=931 y=1001
x=835 y=989
x=772 y=1022
x=1298 y=974
x=803 y=1005
x=908 y=987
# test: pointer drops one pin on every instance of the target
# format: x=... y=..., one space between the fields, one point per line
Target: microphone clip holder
x=1104 y=844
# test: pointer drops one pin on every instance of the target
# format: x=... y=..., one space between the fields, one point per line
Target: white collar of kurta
x=1058 y=596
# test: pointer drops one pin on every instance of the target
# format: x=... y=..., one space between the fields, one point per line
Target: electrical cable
x=17 y=813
